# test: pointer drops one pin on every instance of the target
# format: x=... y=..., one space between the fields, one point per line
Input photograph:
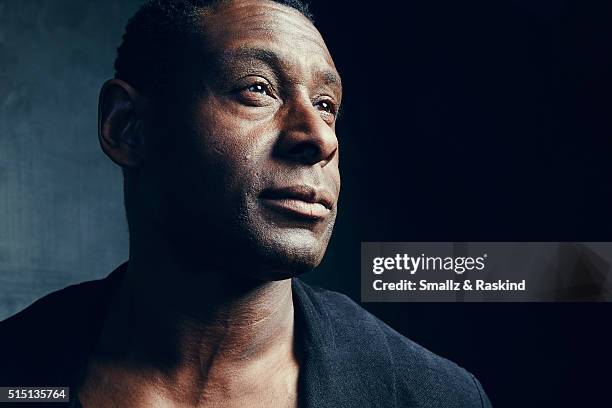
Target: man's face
x=254 y=178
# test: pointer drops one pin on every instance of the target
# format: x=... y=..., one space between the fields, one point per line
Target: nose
x=306 y=138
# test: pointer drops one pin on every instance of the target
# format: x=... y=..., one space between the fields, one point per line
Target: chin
x=287 y=255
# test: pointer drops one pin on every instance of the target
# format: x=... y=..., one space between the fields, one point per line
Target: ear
x=120 y=123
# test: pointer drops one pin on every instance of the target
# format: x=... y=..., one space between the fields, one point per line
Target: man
x=222 y=116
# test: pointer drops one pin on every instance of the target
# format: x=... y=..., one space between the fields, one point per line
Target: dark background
x=481 y=121
x=462 y=121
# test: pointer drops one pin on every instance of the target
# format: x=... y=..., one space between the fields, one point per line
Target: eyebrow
x=327 y=76
x=266 y=56
x=331 y=78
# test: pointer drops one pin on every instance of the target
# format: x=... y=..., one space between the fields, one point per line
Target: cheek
x=232 y=147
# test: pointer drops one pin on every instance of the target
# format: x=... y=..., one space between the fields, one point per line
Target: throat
x=226 y=352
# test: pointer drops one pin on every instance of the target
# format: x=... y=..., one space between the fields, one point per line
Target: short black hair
x=156 y=41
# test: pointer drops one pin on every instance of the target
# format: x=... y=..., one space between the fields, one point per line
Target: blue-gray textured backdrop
x=61 y=206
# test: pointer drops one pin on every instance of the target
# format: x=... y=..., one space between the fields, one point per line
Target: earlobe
x=120 y=123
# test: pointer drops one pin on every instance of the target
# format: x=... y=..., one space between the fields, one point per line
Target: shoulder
x=40 y=315
x=419 y=376
x=41 y=342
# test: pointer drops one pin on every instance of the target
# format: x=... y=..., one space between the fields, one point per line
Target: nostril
x=307 y=151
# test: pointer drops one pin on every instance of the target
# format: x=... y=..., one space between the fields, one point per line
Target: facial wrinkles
x=287 y=26
x=284 y=71
x=303 y=53
x=289 y=33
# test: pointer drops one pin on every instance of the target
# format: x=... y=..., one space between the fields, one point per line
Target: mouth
x=299 y=201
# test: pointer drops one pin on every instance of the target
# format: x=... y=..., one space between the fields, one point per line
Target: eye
x=326 y=106
x=259 y=88
x=256 y=92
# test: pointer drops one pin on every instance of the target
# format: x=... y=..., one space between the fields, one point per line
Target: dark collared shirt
x=350 y=358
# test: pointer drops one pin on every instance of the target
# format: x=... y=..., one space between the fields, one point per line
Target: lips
x=300 y=201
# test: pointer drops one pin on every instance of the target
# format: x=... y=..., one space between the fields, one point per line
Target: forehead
x=235 y=26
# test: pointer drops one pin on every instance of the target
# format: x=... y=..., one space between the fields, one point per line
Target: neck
x=195 y=327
